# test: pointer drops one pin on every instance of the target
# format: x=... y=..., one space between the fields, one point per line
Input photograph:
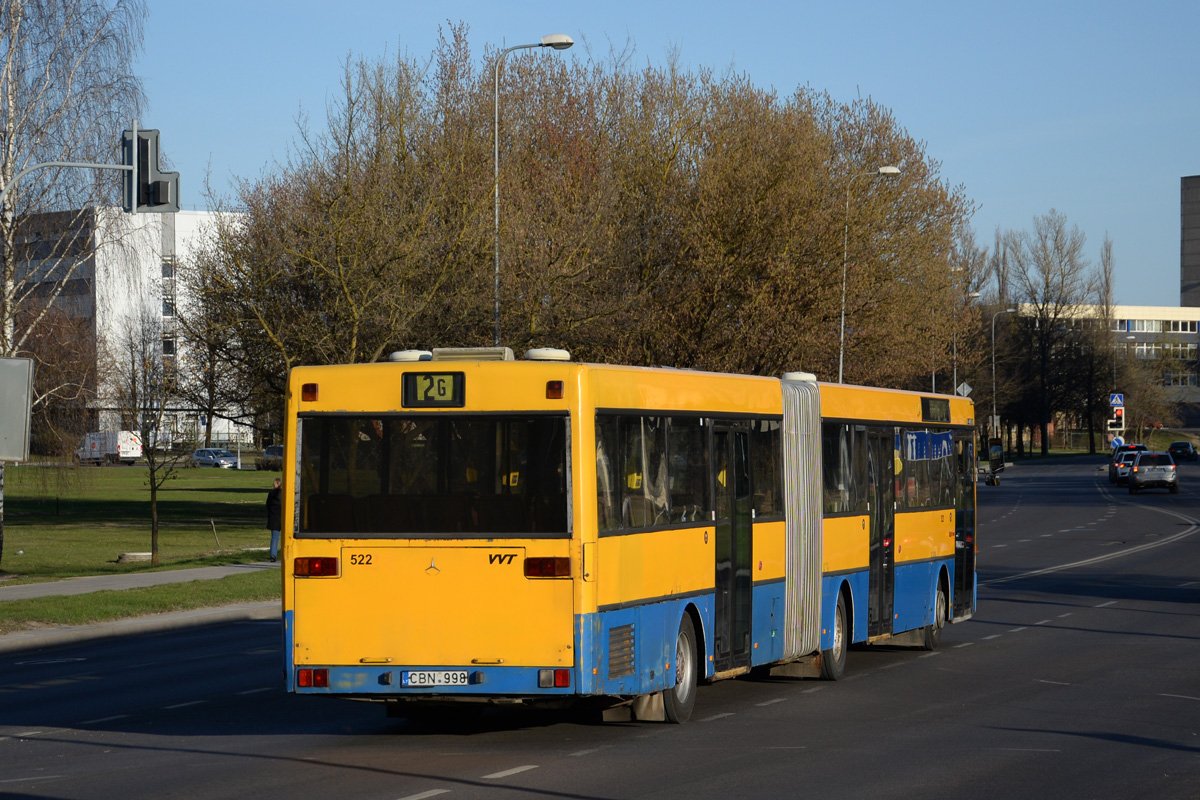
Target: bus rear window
x=443 y=475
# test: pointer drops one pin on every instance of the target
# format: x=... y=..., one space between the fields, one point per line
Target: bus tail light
x=315 y=567
x=554 y=679
x=547 y=567
x=554 y=390
x=308 y=392
x=312 y=678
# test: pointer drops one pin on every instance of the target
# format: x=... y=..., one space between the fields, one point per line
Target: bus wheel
x=679 y=699
x=833 y=660
x=933 y=631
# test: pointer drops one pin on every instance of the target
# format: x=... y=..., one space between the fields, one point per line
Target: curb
x=157 y=623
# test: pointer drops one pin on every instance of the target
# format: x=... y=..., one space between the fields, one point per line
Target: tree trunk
x=153 y=520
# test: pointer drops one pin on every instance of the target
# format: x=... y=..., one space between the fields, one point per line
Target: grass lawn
x=62 y=523
x=84 y=609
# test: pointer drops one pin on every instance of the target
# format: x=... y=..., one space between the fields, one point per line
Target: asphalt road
x=1078 y=678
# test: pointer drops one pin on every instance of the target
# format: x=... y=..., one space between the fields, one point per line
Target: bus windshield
x=396 y=476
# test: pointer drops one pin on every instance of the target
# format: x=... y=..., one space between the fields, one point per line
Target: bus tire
x=833 y=660
x=680 y=699
x=933 y=631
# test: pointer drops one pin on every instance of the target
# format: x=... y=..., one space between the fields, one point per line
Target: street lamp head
x=559 y=41
x=889 y=170
x=1010 y=311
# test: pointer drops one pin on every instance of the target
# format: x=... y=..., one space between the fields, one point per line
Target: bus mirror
x=995 y=456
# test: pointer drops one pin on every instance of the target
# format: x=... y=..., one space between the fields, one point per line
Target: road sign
x=964 y=389
x=1117 y=442
x=1116 y=399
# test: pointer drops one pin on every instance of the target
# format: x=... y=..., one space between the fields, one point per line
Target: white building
x=127 y=268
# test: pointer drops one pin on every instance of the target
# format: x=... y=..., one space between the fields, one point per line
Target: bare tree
x=66 y=90
x=145 y=389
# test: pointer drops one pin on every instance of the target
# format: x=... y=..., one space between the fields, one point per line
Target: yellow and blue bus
x=463 y=525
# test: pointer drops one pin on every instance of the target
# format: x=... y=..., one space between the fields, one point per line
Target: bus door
x=964 y=527
x=731 y=490
x=881 y=493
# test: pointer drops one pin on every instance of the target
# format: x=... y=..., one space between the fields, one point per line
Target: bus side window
x=608 y=495
x=687 y=470
x=766 y=463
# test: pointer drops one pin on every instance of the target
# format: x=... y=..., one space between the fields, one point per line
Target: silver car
x=1150 y=470
x=213 y=457
x=1124 y=464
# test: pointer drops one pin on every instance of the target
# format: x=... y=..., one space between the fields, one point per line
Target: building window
x=168 y=347
x=168 y=308
x=168 y=268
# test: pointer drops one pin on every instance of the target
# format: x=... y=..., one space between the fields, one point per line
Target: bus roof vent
x=800 y=376
x=547 y=354
x=411 y=355
x=473 y=354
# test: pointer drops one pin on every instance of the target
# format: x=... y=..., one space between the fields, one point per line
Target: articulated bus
x=462 y=525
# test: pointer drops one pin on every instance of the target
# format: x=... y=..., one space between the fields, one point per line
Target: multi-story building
x=124 y=280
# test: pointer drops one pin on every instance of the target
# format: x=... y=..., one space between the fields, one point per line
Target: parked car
x=1153 y=470
x=213 y=457
x=272 y=458
x=1124 y=462
x=1182 y=451
x=1115 y=463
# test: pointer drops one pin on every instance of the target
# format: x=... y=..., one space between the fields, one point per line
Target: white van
x=109 y=447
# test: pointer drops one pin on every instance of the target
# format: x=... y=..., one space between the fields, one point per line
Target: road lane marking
x=814 y=689
x=1181 y=696
x=182 y=705
x=507 y=772
x=587 y=752
x=964 y=644
x=1106 y=605
x=1054 y=683
x=104 y=719
x=32 y=779
x=424 y=795
x=1043 y=622
x=717 y=716
x=265 y=689
x=1069 y=613
x=929 y=655
x=1189 y=583
x=1016 y=630
x=994 y=636
x=772 y=702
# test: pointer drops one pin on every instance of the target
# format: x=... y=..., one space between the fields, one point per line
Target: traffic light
x=1117 y=423
x=155 y=191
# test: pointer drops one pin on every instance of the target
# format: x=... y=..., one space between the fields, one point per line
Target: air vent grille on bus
x=620 y=651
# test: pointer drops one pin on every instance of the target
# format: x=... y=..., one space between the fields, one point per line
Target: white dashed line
x=1069 y=613
x=814 y=689
x=587 y=752
x=1106 y=605
x=424 y=795
x=507 y=772
x=32 y=779
x=1189 y=583
x=715 y=717
x=1016 y=630
x=104 y=719
x=267 y=689
x=993 y=636
x=964 y=644
x=1043 y=622
x=1181 y=696
x=772 y=702
x=182 y=705
x=929 y=655
x=1055 y=683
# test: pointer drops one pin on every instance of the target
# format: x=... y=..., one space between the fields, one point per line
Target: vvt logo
x=501 y=558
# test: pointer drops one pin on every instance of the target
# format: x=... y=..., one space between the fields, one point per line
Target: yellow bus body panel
x=769 y=551
x=840 y=401
x=924 y=535
x=846 y=544
x=431 y=603
x=655 y=564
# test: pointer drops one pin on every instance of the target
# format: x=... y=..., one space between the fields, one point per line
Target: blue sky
x=1091 y=108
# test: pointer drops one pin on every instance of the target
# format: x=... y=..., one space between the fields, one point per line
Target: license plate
x=432 y=678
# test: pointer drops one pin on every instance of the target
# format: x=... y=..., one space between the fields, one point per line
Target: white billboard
x=16 y=402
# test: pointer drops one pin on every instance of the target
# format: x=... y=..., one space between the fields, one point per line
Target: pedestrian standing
x=275 y=515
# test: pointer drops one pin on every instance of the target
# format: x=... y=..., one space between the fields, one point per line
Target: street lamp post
x=994 y=422
x=558 y=41
x=889 y=171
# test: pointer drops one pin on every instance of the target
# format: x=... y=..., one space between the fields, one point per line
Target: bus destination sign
x=433 y=390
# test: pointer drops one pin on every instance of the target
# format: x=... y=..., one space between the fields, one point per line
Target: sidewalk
x=49 y=637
